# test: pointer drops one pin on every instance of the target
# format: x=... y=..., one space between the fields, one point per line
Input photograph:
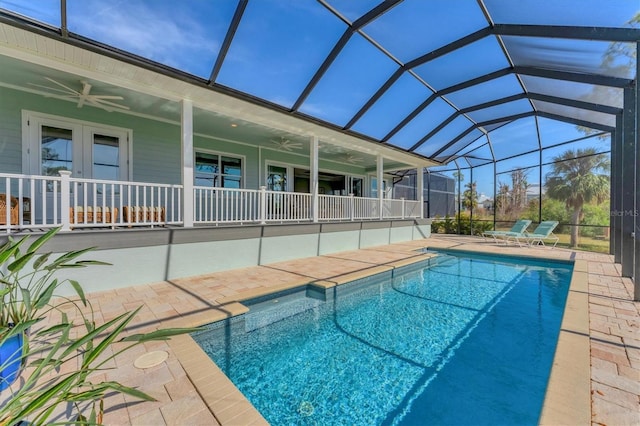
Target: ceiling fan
x=350 y=158
x=83 y=96
x=286 y=144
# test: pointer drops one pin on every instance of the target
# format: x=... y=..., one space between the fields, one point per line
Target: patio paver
x=614 y=325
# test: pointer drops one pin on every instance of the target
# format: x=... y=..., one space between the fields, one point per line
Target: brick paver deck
x=189 y=391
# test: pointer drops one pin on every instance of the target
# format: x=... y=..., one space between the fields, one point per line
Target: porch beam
x=313 y=178
x=186 y=143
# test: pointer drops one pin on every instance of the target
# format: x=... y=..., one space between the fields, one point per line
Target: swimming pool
x=455 y=340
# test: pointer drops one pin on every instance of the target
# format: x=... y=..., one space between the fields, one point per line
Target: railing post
x=404 y=214
x=352 y=202
x=263 y=205
x=65 y=199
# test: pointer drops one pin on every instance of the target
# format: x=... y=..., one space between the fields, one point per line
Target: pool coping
x=567 y=398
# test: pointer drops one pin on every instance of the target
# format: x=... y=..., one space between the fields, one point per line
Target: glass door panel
x=356 y=185
x=277 y=178
x=106 y=157
x=56 y=150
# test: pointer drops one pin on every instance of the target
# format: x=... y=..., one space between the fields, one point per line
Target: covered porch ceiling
x=423 y=82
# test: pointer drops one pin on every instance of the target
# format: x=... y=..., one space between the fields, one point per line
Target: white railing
x=366 y=208
x=286 y=206
x=224 y=205
x=95 y=203
x=411 y=208
x=335 y=207
x=40 y=202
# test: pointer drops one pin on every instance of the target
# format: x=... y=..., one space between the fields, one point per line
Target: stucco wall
x=144 y=256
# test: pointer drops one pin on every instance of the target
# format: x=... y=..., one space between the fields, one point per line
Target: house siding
x=10 y=132
x=155 y=146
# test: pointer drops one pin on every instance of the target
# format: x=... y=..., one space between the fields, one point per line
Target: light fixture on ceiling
x=83 y=96
x=286 y=144
x=234 y=125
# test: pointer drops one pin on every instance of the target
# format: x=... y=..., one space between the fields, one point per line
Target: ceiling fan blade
x=48 y=88
x=100 y=103
x=107 y=97
x=62 y=85
x=86 y=88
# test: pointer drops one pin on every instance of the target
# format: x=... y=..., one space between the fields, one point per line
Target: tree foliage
x=578 y=177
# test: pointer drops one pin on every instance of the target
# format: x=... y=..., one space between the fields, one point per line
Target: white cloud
x=164 y=32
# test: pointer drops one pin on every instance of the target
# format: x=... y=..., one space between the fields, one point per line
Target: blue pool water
x=456 y=341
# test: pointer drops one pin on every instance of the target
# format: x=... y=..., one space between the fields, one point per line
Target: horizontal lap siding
x=155 y=147
x=10 y=132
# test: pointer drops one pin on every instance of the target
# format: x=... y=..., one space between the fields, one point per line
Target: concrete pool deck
x=599 y=346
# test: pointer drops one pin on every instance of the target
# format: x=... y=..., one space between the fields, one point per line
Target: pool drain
x=306 y=408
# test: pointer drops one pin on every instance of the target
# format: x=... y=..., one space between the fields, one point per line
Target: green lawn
x=599 y=245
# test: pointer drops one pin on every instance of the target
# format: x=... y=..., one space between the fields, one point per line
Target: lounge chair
x=518 y=228
x=544 y=231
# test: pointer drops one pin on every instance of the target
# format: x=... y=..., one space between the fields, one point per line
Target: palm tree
x=470 y=196
x=577 y=178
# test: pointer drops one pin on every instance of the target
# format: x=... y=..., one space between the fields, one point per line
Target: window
x=216 y=170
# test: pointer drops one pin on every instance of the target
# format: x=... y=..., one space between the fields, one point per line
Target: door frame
x=82 y=132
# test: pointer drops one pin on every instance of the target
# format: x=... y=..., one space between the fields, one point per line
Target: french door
x=87 y=150
x=90 y=152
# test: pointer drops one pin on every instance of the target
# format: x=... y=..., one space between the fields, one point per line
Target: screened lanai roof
x=437 y=78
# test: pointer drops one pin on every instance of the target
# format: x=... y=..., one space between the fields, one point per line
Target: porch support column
x=313 y=177
x=186 y=142
x=380 y=184
x=616 y=192
x=628 y=176
x=420 y=189
x=636 y=207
